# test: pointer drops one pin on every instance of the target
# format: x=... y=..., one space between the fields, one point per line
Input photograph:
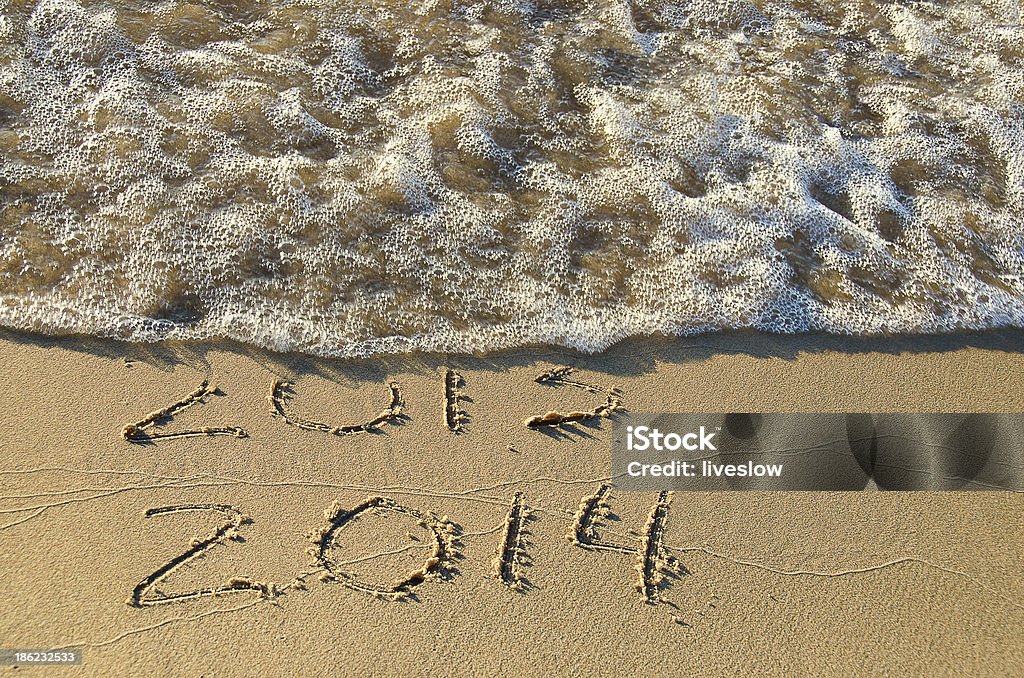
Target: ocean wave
x=349 y=179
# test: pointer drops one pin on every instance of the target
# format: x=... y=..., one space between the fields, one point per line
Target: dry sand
x=822 y=583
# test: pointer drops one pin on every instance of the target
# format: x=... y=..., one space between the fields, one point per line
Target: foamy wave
x=357 y=178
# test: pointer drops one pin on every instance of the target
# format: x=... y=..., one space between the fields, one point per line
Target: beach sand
x=822 y=583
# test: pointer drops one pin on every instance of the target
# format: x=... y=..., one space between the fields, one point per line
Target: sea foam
x=350 y=179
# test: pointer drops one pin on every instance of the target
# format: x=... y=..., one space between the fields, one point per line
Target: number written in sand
x=149 y=429
x=555 y=420
x=441 y=532
x=147 y=593
x=455 y=416
x=512 y=547
x=146 y=430
x=653 y=560
x=281 y=393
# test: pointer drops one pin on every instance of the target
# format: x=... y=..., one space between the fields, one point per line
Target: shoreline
x=746 y=342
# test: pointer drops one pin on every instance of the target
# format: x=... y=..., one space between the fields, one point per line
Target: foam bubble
x=352 y=179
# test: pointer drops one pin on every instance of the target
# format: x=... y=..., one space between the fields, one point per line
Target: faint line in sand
x=850 y=571
x=165 y=622
x=23 y=520
x=40 y=509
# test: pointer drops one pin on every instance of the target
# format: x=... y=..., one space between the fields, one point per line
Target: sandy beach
x=227 y=575
x=324 y=326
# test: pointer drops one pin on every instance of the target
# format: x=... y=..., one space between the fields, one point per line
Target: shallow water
x=360 y=178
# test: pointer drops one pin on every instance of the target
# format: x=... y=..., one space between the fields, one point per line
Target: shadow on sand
x=630 y=357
